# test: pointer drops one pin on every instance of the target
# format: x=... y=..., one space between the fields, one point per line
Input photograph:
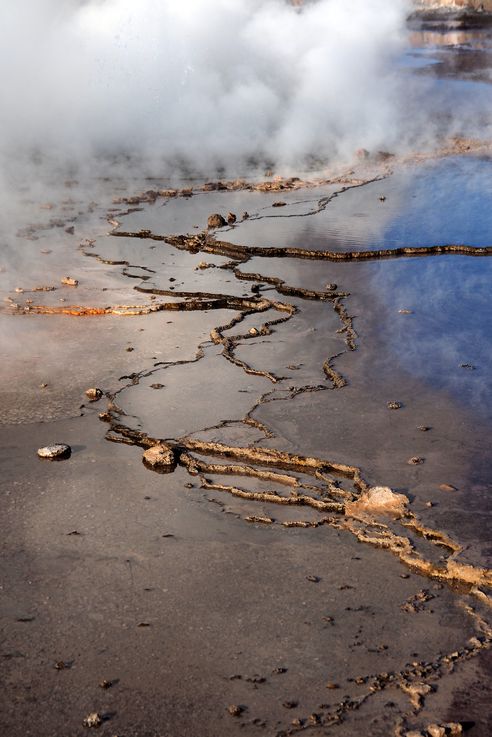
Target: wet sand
x=249 y=590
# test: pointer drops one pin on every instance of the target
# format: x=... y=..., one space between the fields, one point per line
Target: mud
x=275 y=513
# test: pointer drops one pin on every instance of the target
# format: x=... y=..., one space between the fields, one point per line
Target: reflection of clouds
x=354 y=218
x=444 y=202
x=451 y=325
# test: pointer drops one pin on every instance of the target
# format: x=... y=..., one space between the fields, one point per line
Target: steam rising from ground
x=212 y=82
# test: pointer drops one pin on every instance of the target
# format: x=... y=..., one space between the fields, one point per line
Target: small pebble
x=235 y=710
x=93 y=720
x=93 y=394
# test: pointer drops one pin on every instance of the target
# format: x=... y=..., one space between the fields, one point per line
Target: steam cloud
x=211 y=82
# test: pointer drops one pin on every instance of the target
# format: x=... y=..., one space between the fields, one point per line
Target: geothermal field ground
x=274 y=515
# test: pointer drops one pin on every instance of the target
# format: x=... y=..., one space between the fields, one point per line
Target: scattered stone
x=43 y=386
x=70 y=229
x=254 y=331
x=394 y=405
x=405 y=312
x=279 y=204
x=93 y=394
x=245 y=215
x=157 y=386
x=143 y=624
x=332 y=686
x=57 y=451
x=279 y=671
x=105 y=684
x=216 y=221
x=93 y=720
x=231 y=218
x=415 y=461
x=69 y=281
x=159 y=458
x=204 y=265
x=423 y=428
x=331 y=287
x=297 y=722
x=314 y=719
x=382 y=198
x=313 y=579
x=468 y=366
x=130 y=349
x=235 y=710
x=447 y=487
x=290 y=704
x=63 y=665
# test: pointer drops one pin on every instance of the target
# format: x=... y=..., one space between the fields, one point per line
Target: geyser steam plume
x=209 y=82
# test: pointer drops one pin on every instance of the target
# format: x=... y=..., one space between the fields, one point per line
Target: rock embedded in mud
x=93 y=393
x=415 y=461
x=378 y=500
x=69 y=281
x=231 y=218
x=394 y=405
x=159 y=458
x=57 y=451
x=447 y=487
x=216 y=221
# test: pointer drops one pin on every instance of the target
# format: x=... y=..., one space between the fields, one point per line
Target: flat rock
x=57 y=451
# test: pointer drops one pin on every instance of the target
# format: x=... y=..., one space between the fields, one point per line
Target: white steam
x=211 y=82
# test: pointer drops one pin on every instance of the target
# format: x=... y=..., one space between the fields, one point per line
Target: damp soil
x=327 y=351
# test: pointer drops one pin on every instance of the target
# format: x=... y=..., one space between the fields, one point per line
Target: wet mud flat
x=306 y=544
